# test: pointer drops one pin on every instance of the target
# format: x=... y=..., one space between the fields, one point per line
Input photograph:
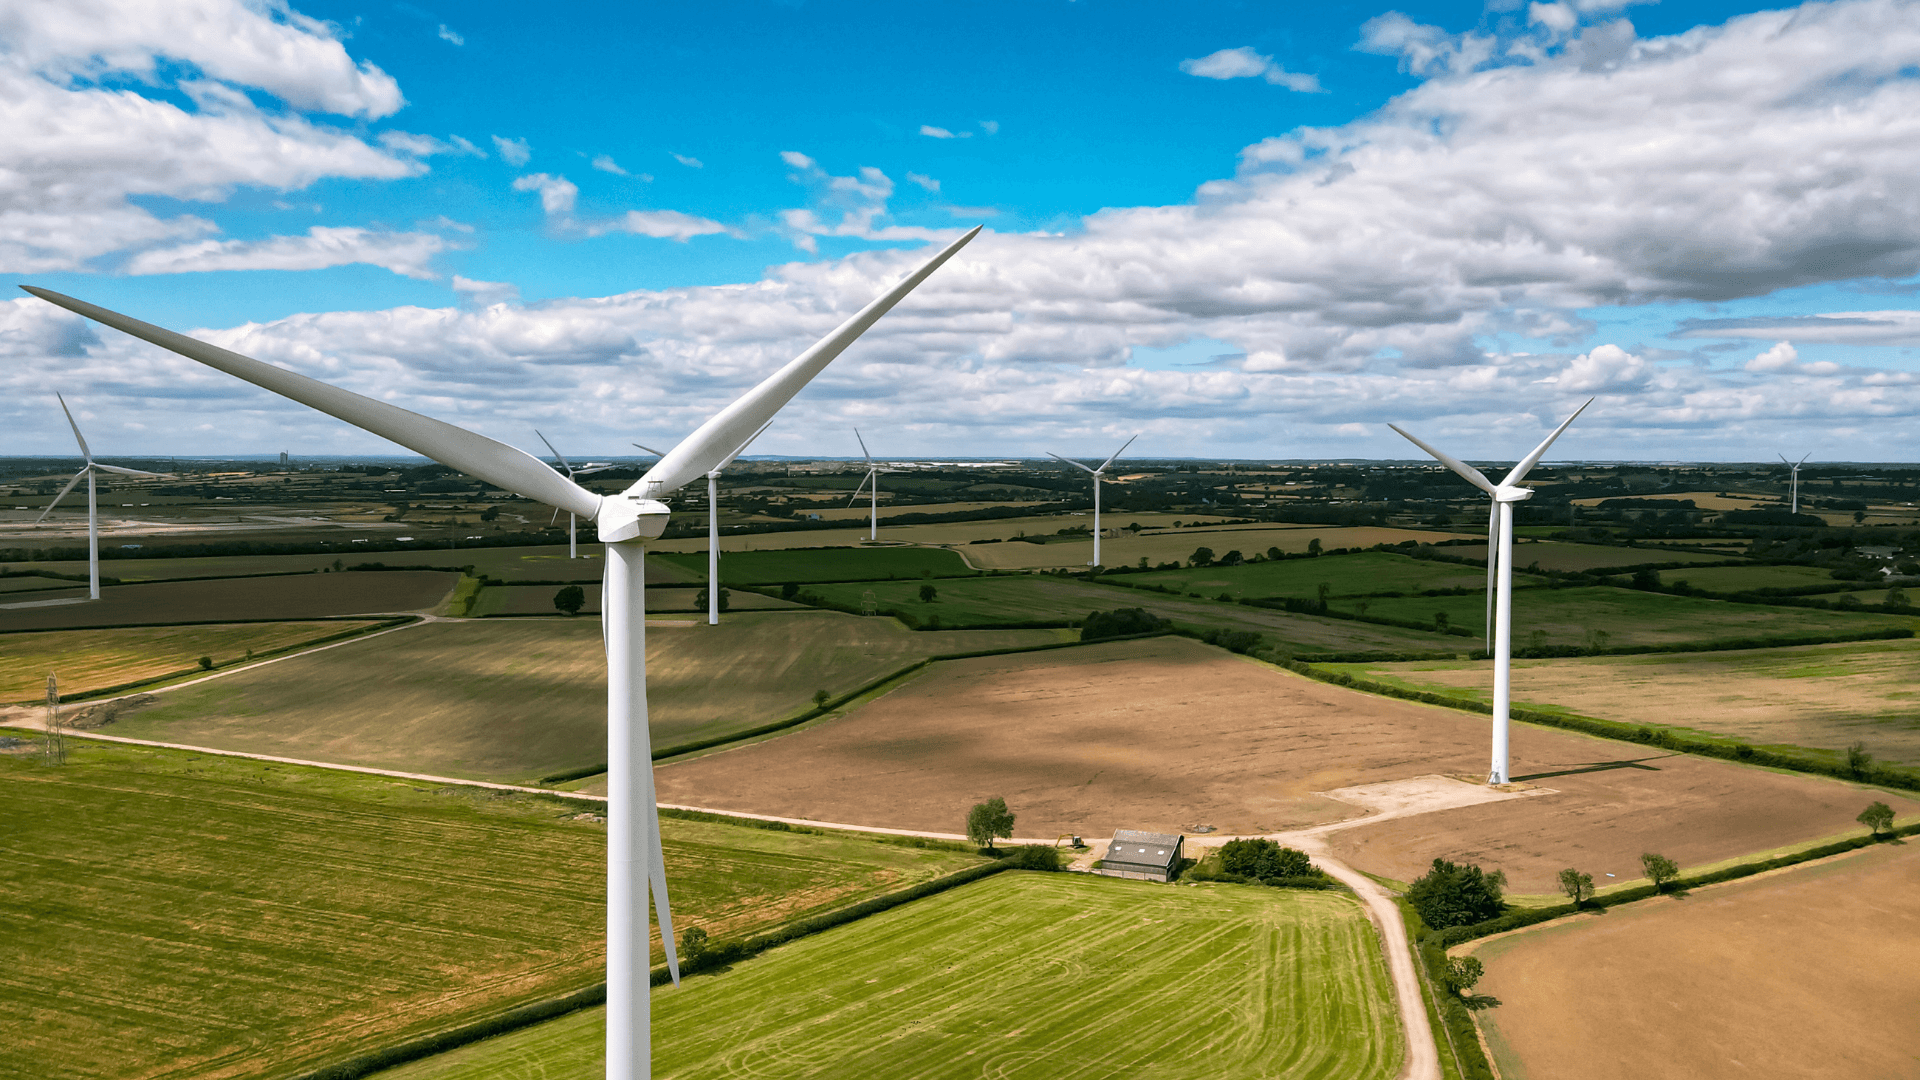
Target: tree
x=1325 y=589
x=490 y=513
x=1660 y=870
x=820 y=699
x=1274 y=554
x=1859 y=516
x=693 y=946
x=1202 y=557
x=1439 y=620
x=789 y=590
x=206 y=663
x=988 y=820
x=700 y=600
x=1119 y=623
x=1263 y=859
x=570 y=600
x=1877 y=817
x=1646 y=580
x=1858 y=760
x=1576 y=885
x=927 y=593
x=1313 y=546
x=1232 y=558
x=1897 y=597
x=1461 y=973
x=1457 y=895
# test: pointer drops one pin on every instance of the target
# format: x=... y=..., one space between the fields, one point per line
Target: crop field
x=1821 y=696
x=1811 y=972
x=1358 y=574
x=516 y=699
x=303 y=596
x=1166 y=734
x=1178 y=545
x=1704 y=500
x=1020 y=974
x=172 y=914
x=1730 y=579
x=1038 y=598
x=943 y=534
x=541 y=562
x=538 y=600
x=806 y=565
x=1566 y=617
x=1552 y=555
x=92 y=659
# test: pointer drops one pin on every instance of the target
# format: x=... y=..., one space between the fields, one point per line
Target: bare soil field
x=1553 y=555
x=1167 y=734
x=1812 y=972
x=538 y=600
x=302 y=596
x=92 y=659
x=1821 y=696
x=516 y=699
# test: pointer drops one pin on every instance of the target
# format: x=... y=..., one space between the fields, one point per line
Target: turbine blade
x=125 y=472
x=557 y=455
x=1803 y=458
x=1071 y=462
x=554 y=518
x=1784 y=461
x=85 y=454
x=696 y=455
x=861 y=488
x=743 y=447
x=651 y=450
x=1493 y=564
x=457 y=448
x=864 y=452
x=1467 y=472
x=1520 y=471
x=1116 y=453
x=657 y=876
x=62 y=495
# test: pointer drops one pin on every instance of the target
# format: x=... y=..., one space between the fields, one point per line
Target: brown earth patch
x=1162 y=733
x=1811 y=973
x=300 y=596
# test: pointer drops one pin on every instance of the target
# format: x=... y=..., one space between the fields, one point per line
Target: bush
x=206 y=663
x=1263 y=859
x=1120 y=623
x=1457 y=895
x=1035 y=857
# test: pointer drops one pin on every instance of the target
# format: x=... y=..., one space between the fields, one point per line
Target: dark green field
x=806 y=565
x=538 y=600
x=1022 y=974
x=1730 y=579
x=1364 y=573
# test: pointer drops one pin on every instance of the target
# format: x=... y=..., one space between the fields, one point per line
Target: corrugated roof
x=1144 y=850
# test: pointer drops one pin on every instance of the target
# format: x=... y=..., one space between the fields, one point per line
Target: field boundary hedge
x=1666 y=738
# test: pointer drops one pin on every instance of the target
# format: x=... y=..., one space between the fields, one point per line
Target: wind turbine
x=626 y=522
x=588 y=469
x=873 y=478
x=1097 y=474
x=1793 y=469
x=1500 y=551
x=88 y=470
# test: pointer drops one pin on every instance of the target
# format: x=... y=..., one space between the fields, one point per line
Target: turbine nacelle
x=631 y=517
x=1508 y=494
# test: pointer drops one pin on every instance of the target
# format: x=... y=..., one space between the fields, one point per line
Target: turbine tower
x=1500 y=551
x=88 y=470
x=572 y=471
x=871 y=484
x=1097 y=474
x=1793 y=470
x=625 y=523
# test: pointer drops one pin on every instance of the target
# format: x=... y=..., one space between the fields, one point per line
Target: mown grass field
x=1554 y=555
x=806 y=565
x=1038 y=598
x=1627 y=617
x=1019 y=975
x=1359 y=574
x=303 y=596
x=91 y=659
x=1824 y=697
x=514 y=699
x=1730 y=579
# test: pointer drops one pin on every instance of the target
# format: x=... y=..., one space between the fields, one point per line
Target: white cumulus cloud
x=514 y=152
x=407 y=253
x=1244 y=63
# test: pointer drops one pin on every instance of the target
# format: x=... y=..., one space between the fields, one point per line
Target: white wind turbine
x=1097 y=474
x=1793 y=469
x=88 y=470
x=626 y=521
x=572 y=470
x=713 y=523
x=1500 y=570
x=871 y=485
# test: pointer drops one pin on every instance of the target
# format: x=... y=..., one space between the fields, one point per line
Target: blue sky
x=1247 y=229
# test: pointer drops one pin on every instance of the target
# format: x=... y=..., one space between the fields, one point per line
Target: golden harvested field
x=516 y=699
x=1820 y=696
x=1554 y=555
x=1166 y=734
x=92 y=659
x=1702 y=500
x=301 y=596
x=1811 y=972
x=1178 y=545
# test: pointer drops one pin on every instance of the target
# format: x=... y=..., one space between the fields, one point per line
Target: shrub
x=1457 y=895
x=206 y=663
x=1120 y=623
x=1263 y=859
x=1858 y=760
x=1035 y=857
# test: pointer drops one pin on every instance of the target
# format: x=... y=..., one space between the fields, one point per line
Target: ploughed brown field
x=300 y=596
x=1167 y=734
x=1812 y=972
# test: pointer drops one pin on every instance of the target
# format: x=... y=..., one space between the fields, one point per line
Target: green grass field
x=538 y=600
x=1022 y=974
x=1555 y=555
x=91 y=659
x=1359 y=574
x=516 y=699
x=1566 y=616
x=541 y=562
x=1035 y=598
x=821 y=564
x=1730 y=579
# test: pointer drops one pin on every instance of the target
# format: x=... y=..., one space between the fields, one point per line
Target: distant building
x=1145 y=856
x=283 y=459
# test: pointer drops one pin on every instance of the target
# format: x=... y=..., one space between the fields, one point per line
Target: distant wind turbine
x=871 y=485
x=1500 y=552
x=88 y=470
x=1097 y=474
x=626 y=522
x=713 y=527
x=1793 y=469
x=572 y=471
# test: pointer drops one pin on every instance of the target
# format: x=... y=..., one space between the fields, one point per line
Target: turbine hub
x=1507 y=494
x=631 y=517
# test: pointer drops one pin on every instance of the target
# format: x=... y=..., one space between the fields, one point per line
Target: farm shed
x=1147 y=856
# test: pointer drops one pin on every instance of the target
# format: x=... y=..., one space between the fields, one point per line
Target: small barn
x=1145 y=856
